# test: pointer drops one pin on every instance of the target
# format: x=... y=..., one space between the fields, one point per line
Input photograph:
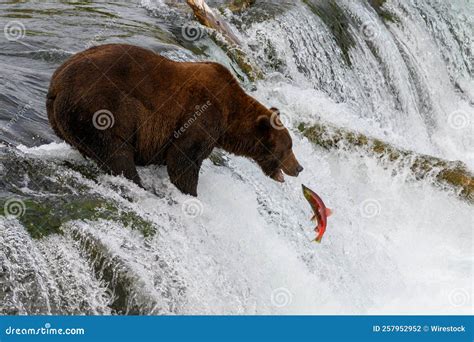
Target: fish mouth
x=278 y=176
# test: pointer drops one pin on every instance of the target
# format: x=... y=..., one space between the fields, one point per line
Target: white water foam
x=393 y=246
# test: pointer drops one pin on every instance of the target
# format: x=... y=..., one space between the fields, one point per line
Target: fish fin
x=328 y=212
x=314 y=218
x=318 y=239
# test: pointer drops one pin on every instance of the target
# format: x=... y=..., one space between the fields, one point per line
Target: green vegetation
x=58 y=193
x=218 y=158
x=45 y=216
x=250 y=69
x=384 y=14
x=240 y=5
x=17 y=16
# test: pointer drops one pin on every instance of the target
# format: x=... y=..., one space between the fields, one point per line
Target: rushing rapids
x=76 y=241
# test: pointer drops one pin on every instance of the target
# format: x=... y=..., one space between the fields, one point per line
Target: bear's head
x=274 y=147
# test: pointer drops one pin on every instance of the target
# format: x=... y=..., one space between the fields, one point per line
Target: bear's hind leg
x=122 y=163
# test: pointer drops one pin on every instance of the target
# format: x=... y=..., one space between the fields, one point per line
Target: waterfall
x=82 y=242
x=407 y=74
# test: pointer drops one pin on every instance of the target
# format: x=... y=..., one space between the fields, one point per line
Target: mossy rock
x=384 y=14
x=44 y=216
x=38 y=175
x=240 y=5
x=218 y=158
x=446 y=174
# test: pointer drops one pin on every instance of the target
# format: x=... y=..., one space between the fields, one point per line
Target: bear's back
x=111 y=65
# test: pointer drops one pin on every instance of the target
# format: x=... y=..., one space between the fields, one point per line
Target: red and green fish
x=321 y=213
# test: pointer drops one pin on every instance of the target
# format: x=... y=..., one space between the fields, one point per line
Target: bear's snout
x=291 y=166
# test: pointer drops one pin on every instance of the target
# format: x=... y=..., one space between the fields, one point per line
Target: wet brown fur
x=151 y=98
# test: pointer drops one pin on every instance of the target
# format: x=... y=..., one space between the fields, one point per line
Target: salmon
x=321 y=212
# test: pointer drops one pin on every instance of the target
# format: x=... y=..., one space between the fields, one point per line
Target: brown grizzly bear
x=123 y=105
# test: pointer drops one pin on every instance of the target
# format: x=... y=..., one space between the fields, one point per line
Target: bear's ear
x=275 y=110
x=263 y=124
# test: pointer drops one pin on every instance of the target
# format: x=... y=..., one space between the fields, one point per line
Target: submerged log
x=230 y=44
x=206 y=16
x=445 y=174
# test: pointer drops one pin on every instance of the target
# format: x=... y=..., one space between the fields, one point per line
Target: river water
x=76 y=241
